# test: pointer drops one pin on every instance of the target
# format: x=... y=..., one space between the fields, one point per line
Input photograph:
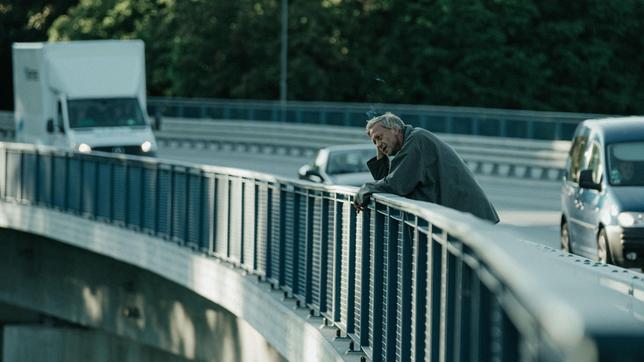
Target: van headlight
x=631 y=219
x=146 y=146
x=84 y=148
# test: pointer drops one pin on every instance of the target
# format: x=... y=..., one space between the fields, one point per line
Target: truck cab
x=83 y=95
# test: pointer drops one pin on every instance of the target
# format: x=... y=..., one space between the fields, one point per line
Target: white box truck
x=83 y=95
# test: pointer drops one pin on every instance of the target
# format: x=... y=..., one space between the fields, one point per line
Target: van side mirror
x=586 y=180
x=50 y=126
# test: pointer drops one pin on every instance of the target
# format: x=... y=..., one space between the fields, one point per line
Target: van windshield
x=626 y=164
x=104 y=112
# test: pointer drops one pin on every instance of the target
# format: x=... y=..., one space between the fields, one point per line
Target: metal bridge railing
x=402 y=281
x=438 y=119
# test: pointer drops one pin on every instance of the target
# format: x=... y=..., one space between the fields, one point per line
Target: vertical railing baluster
x=455 y=299
x=390 y=287
x=202 y=210
x=324 y=240
x=365 y=257
x=126 y=192
x=433 y=318
x=403 y=345
x=476 y=309
x=296 y=244
x=229 y=201
x=157 y=200
x=419 y=289
x=310 y=217
x=36 y=176
x=269 y=231
x=337 y=258
x=111 y=188
x=96 y=188
x=464 y=321
x=485 y=328
x=171 y=203
x=256 y=198
x=212 y=206
x=66 y=183
x=81 y=184
x=376 y=290
x=21 y=172
x=242 y=220
x=189 y=221
x=281 y=254
x=351 y=259
x=141 y=200
x=447 y=299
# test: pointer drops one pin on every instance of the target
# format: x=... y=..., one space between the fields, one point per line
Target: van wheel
x=603 y=253
x=565 y=237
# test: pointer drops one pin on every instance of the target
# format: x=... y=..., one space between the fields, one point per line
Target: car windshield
x=110 y=112
x=349 y=161
x=626 y=164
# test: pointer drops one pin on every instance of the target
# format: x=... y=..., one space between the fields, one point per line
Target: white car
x=340 y=165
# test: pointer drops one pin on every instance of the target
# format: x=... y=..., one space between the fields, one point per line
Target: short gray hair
x=387 y=120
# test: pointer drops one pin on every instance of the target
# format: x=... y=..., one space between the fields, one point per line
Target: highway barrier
x=494 y=156
x=439 y=119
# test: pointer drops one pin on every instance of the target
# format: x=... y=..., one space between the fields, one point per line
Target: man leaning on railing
x=414 y=163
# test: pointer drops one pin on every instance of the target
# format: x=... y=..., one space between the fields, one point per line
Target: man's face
x=388 y=140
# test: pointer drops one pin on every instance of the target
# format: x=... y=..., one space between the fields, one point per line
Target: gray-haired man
x=414 y=163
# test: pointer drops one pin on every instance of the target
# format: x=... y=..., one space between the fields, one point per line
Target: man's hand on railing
x=360 y=202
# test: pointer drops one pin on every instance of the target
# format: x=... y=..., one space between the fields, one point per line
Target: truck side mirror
x=61 y=128
x=50 y=126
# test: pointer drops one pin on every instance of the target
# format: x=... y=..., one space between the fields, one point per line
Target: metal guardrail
x=403 y=280
x=518 y=158
x=451 y=120
x=493 y=156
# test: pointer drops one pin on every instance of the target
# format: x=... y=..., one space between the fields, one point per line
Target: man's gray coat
x=427 y=169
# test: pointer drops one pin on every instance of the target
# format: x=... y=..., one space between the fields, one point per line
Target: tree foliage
x=581 y=56
x=23 y=21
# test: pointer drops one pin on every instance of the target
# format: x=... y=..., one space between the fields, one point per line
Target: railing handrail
x=410 y=271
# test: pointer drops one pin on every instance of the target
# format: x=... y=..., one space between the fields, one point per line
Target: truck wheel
x=565 y=237
x=603 y=252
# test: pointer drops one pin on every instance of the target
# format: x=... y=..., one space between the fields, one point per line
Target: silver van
x=602 y=197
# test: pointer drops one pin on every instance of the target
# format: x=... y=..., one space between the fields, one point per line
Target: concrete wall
x=27 y=343
x=98 y=292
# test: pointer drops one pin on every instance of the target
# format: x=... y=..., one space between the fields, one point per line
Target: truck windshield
x=110 y=112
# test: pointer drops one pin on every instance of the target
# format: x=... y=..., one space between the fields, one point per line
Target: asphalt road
x=529 y=207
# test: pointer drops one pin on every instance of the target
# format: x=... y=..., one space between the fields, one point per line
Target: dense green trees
x=581 y=56
x=23 y=21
